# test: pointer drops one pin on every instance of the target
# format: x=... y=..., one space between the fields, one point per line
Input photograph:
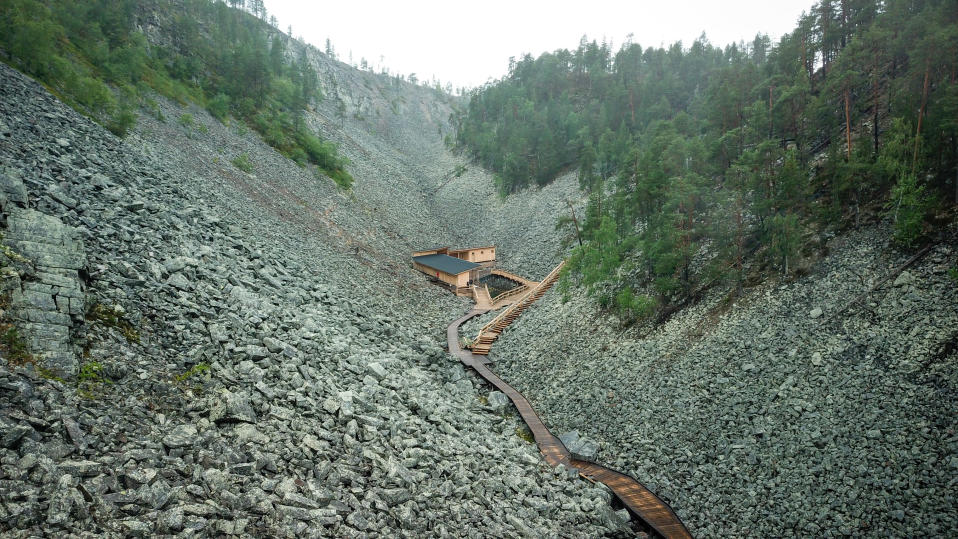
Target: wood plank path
x=641 y=503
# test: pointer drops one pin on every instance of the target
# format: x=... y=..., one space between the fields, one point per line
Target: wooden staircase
x=481 y=295
x=491 y=331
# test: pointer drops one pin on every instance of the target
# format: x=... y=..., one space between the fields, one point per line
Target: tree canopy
x=93 y=54
x=701 y=161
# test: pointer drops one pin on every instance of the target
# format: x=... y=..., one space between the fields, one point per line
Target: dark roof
x=445 y=263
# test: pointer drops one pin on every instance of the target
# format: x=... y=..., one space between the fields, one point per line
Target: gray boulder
x=232 y=407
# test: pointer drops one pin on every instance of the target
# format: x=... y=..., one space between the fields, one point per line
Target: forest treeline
x=94 y=55
x=705 y=165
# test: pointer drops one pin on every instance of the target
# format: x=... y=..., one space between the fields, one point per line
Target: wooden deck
x=644 y=505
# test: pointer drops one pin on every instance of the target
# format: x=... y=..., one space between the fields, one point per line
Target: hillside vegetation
x=95 y=56
x=704 y=163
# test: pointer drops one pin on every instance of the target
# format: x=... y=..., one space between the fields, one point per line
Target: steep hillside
x=717 y=165
x=242 y=353
x=781 y=415
x=522 y=226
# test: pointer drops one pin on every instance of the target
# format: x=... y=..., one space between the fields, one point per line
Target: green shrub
x=631 y=307
x=242 y=162
x=908 y=205
x=14 y=347
x=195 y=370
x=186 y=120
x=219 y=106
x=122 y=122
x=94 y=95
x=90 y=379
x=112 y=317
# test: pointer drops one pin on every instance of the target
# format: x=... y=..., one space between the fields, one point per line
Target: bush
x=90 y=379
x=122 y=122
x=113 y=317
x=632 y=308
x=14 y=346
x=242 y=162
x=908 y=205
x=195 y=370
x=94 y=95
x=219 y=106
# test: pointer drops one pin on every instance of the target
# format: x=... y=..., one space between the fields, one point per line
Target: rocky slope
x=253 y=357
x=256 y=357
x=772 y=418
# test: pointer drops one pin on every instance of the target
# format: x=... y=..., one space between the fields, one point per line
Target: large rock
x=498 y=400
x=12 y=189
x=580 y=446
x=50 y=300
x=232 y=407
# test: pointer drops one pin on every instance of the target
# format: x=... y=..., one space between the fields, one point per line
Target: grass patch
x=186 y=120
x=242 y=162
x=90 y=380
x=14 y=347
x=195 y=370
x=523 y=432
x=113 y=317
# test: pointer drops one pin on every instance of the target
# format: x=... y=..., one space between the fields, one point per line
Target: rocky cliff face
x=231 y=353
x=42 y=284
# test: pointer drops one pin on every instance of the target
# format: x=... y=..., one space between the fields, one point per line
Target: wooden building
x=456 y=268
x=479 y=255
x=433 y=251
x=455 y=272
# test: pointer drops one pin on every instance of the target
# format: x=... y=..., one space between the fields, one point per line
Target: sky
x=469 y=43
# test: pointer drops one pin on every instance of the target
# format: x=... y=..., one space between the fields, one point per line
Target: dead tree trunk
x=575 y=222
x=921 y=114
x=848 y=127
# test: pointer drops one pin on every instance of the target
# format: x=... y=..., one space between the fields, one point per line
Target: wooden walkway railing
x=512 y=276
x=491 y=331
x=641 y=503
x=510 y=293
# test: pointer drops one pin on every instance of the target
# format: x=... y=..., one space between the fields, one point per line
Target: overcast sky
x=467 y=43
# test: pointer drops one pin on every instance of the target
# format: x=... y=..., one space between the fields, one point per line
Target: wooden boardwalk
x=641 y=503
